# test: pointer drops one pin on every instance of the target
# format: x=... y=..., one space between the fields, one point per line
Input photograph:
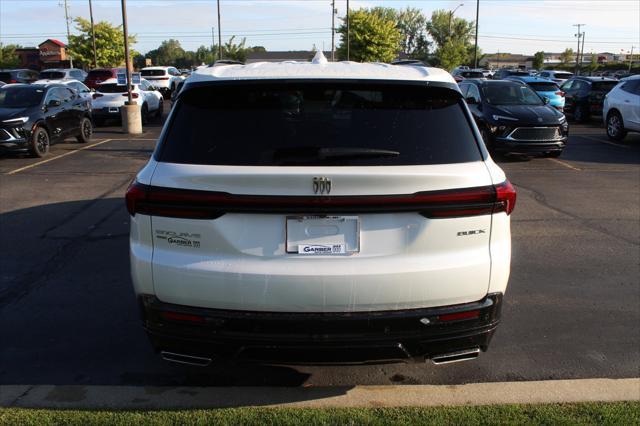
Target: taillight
x=194 y=204
x=177 y=316
x=560 y=93
x=133 y=95
x=97 y=95
x=457 y=316
x=12 y=81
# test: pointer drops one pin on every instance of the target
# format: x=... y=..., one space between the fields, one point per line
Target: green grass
x=619 y=413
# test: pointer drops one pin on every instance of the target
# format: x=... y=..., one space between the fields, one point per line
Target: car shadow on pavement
x=69 y=314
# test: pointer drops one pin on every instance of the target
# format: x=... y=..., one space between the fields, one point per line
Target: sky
x=514 y=26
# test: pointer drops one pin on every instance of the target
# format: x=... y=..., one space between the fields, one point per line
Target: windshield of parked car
x=309 y=124
x=562 y=75
x=604 y=86
x=543 y=86
x=519 y=73
x=472 y=74
x=20 y=97
x=51 y=75
x=152 y=73
x=511 y=94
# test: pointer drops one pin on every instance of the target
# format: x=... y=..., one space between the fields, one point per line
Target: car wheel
x=144 y=114
x=615 y=126
x=40 y=142
x=160 y=110
x=580 y=114
x=86 y=130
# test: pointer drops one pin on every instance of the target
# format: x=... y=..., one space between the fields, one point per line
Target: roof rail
x=415 y=62
x=226 y=62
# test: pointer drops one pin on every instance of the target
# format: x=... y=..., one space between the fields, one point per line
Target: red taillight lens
x=163 y=78
x=97 y=95
x=505 y=197
x=193 y=204
x=12 y=81
x=560 y=93
x=459 y=316
x=177 y=316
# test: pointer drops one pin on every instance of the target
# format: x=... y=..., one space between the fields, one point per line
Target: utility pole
x=451 y=12
x=130 y=111
x=579 y=35
x=126 y=49
x=66 y=18
x=475 y=47
x=630 y=59
x=582 y=51
x=213 y=40
x=219 y=34
x=348 y=32
x=93 y=37
x=333 y=30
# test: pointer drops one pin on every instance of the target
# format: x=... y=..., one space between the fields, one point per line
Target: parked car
x=584 y=96
x=18 y=76
x=621 y=110
x=99 y=75
x=504 y=73
x=83 y=91
x=557 y=76
x=2 y=83
x=546 y=89
x=292 y=243
x=109 y=97
x=62 y=73
x=33 y=116
x=166 y=79
x=462 y=74
x=513 y=119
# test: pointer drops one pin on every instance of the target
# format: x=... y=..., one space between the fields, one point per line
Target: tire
x=160 y=110
x=580 y=114
x=86 y=130
x=144 y=113
x=615 y=126
x=40 y=142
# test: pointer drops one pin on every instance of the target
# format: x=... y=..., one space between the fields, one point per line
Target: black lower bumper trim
x=319 y=338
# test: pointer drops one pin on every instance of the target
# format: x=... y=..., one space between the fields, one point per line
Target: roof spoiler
x=414 y=62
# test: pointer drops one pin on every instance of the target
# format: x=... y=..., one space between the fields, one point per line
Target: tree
x=8 y=57
x=233 y=51
x=413 y=27
x=452 y=37
x=109 y=44
x=538 y=60
x=593 y=65
x=374 y=36
x=168 y=53
x=567 y=56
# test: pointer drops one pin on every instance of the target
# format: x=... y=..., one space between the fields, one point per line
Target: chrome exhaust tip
x=197 y=361
x=457 y=356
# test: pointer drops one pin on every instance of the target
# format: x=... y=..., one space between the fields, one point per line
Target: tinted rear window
x=544 y=87
x=153 y=73
x=519 y=73
x=472 y=74
x=103 y=74
x=604 y=86
x=314 y=124
x=5 y=76
x=562 y=75
x=111 y=88
x=51 y=75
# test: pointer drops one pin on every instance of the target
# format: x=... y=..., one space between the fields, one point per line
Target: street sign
x=122 y=79
x=135 y=78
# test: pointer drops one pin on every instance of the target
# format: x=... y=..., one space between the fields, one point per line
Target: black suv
x=32 y=116
x=513 y=119
x=584 y=96
x=19 y=76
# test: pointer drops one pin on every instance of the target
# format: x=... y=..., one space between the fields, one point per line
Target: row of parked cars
x=38 y=109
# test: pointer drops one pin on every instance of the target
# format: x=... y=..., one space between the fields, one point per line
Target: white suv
x=110 y=97
x=320 y=212
x=166 y=79
x=621 y=110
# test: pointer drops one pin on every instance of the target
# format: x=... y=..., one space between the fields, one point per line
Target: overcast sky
x=515 y=26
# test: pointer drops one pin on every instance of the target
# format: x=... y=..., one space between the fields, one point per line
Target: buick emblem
x=321 y=185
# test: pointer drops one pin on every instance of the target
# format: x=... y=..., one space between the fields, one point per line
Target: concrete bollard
x=131 y=119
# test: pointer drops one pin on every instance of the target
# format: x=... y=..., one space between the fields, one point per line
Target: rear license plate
x=111 y=109
x=323 y=235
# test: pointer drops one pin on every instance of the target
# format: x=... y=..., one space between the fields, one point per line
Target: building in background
x=53 y=54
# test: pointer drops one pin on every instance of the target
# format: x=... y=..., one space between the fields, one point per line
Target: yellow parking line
x=603 y=141
x=565 y=164
x=30 y=166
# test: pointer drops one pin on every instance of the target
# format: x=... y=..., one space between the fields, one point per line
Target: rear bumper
x=319 y=338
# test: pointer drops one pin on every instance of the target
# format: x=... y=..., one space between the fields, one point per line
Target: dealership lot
x=69 y=315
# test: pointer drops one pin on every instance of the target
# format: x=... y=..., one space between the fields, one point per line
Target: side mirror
x=546 y=100
x=54 y=103
x=471 y=100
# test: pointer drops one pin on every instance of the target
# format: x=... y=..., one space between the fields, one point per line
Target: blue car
x=545 y=88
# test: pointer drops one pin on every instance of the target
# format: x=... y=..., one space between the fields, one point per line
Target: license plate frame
x=349 y=244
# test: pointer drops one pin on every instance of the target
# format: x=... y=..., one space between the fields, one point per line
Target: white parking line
x=565 y=164
x=30 y=166
x=591 y=138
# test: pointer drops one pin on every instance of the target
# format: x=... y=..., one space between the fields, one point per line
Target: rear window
x=111 y=88
x=51 y=75
x=519 y=73
x=318 y=124
x=604 y=86
x=562 y=75
x=153 y=73
x=5 y=76
x=544 y=87
x=472 y=74
x=102 y=74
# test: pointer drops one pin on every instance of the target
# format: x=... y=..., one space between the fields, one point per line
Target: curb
x=158 y=397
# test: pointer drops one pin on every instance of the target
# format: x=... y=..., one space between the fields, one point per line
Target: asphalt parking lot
x=68 y=313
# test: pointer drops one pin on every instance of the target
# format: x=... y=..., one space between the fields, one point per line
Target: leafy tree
x=109 y=44
x=234 y=51
x=567 y=56
x=168 y=53
x=452 y=37
x=538 y=60
x=8 y=57
x=593 y=65
x=374 y=36
x=413 y=26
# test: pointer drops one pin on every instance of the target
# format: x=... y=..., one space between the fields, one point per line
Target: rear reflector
x=194 y=204
x=459 y=316
x=177 y=316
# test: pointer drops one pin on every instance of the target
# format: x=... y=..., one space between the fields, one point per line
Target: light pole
x=348 y=32
x=333 y=30
x=579 y=35
x=219 y=34
x=131 y=115
x=475 y=47
x=451 y=12
x=93 y=36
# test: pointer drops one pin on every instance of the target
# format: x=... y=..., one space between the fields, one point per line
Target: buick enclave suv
x=320 y=213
